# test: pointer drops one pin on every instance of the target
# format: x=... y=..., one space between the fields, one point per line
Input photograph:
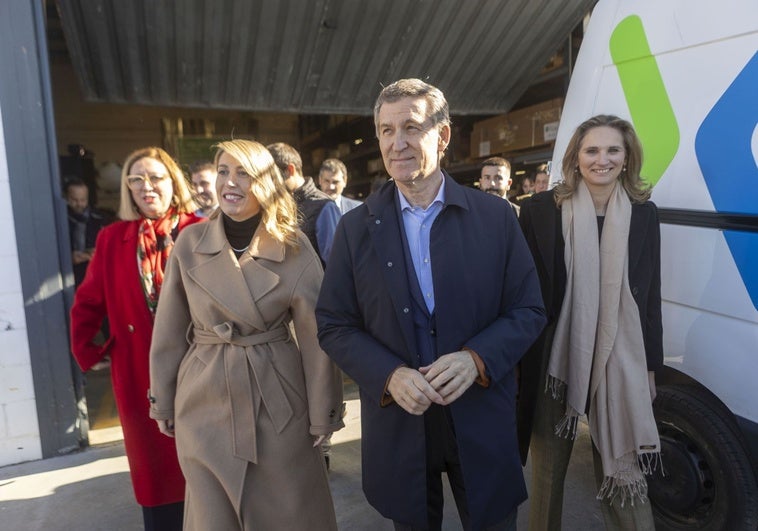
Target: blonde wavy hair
x=637 y=190
x=278 y=208
x=182 y=197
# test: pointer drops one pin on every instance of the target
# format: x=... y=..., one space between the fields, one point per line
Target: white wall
x=19 y=426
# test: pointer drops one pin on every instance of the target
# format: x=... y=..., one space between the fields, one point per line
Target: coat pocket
x=106 y=347
x=288 y=368
x=191 y=366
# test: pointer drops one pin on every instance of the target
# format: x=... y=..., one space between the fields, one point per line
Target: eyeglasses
x=137 y=182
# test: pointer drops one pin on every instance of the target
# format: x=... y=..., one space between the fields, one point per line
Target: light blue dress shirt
x=418 y=225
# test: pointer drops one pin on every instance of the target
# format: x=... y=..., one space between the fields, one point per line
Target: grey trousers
x=550 y=459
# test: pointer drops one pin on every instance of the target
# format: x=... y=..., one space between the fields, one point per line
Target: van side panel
x=708 y=70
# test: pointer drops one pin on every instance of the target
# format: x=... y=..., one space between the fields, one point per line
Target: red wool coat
x=112 y=289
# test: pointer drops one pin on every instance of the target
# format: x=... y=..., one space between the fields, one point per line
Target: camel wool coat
x=245 y=396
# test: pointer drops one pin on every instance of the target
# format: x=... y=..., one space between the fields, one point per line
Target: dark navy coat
x=487 y=298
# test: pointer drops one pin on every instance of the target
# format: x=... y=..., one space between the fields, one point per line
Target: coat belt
x=239 y=385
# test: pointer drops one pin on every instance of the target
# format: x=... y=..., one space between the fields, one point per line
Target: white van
x=685 y=73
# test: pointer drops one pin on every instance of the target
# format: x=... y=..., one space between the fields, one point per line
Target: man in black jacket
x=84 y=222
x=319 y=215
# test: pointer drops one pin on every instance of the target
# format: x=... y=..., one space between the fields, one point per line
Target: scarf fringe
x=568 y=425
x=630 y=483
x=614 y=489
x=649 y=462
x=556 y=387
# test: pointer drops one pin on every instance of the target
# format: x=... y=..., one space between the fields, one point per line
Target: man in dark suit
x=496 y=179
x=541 y=179
x=429 y=301
x=84 y=224
x=332 y=179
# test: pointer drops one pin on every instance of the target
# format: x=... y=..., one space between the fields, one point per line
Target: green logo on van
x=648 y=101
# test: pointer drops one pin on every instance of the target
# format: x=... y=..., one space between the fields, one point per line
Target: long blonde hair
x=278 y=208
x=182 y=197
x=637 y=190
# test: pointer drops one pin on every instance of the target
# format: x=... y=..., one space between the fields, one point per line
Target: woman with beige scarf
x=596 y=243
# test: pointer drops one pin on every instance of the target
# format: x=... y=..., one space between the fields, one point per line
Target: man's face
x=332 y=183
x=540 y=182
x=204 y=185
x=77 y=198
x=411 y=146
x=495 y=180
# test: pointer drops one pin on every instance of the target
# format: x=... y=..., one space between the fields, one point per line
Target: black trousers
x=169 y=517
x=442 y=456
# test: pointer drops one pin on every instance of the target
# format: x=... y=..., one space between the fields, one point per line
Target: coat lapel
x=384 y=229
x=259 y=279
x=221 y=276
x=448 y=231
x=638 y=227
x=547 y=223
x=130 y=231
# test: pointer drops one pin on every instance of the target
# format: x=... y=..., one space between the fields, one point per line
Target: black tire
x=709 y=483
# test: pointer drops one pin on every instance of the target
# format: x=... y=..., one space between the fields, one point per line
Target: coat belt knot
x=245 y=352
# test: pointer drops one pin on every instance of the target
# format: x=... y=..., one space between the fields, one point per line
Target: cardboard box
x=528 y=127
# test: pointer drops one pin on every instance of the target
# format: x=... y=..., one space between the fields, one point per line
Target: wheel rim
x=686 y=494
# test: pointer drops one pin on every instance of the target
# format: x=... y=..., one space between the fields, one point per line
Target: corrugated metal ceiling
x=311 y=56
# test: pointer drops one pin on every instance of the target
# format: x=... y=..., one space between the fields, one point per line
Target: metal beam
x=39 y=216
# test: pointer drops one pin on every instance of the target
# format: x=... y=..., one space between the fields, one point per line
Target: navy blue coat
x=487 y=298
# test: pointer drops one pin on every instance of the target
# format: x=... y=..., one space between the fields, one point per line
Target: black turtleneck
x=240 y=233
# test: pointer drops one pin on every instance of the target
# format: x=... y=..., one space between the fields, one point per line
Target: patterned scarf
x=154 y=243
x=598 y=350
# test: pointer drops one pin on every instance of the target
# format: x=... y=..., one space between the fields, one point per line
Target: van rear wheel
x=708 y=482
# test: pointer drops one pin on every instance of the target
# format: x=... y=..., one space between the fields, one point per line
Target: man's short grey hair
x=438 y=110
x=334 y=166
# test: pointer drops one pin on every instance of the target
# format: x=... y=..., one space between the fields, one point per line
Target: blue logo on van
x=724 y=152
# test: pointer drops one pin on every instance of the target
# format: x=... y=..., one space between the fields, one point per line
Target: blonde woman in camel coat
x=247 y=403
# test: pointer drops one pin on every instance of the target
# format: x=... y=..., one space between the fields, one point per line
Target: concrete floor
x=90 y=490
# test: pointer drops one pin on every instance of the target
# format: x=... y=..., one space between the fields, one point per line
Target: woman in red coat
x=122 y=283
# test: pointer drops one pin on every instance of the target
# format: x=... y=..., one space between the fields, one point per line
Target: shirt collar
x=439 y=198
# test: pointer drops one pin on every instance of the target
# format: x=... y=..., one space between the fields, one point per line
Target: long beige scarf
x=598 y=350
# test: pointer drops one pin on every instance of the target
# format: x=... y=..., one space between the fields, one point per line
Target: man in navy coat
x=429 y=301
